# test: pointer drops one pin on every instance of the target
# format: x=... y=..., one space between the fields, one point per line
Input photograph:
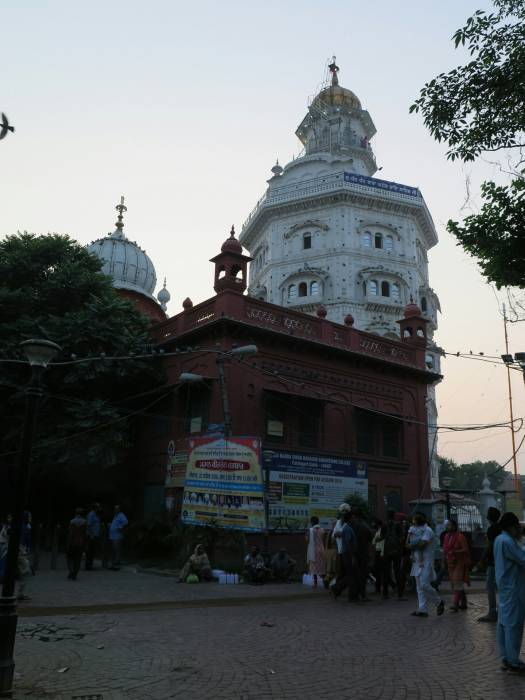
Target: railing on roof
x=341 y=180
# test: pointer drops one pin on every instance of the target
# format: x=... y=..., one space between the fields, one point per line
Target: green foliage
x=361 y=504
x=496 y=235
x=480 y=107
x=158 y=536
x=52 y=288
x=470 y=476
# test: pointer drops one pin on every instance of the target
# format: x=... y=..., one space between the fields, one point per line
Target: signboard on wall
x=224 y=483
x=177 y=454
x=302 y=485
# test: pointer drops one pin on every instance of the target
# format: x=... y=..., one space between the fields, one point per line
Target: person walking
x=330 y=558
x=457 y=554
x=509 y=560
x=378 y=543
x=421 y=543
x=315 y=554
x=392 y=556
x=76 y=543
x=493 y=530
x=93 y=535
x=116 y=535
x=348 y=577
x=364 y=537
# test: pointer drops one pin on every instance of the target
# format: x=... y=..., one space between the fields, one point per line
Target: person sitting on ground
x=282 y=566
x=198 y=564
x=255 y=571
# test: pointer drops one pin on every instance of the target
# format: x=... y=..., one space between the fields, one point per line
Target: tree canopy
x=479 y=107
x=52 y=288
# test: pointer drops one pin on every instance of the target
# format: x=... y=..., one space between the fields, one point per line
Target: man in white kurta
x=423 y=569
x=509 y=559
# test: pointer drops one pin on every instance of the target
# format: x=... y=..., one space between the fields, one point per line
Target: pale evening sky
x=183 y=108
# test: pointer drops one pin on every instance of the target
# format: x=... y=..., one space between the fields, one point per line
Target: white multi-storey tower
x=328 y=233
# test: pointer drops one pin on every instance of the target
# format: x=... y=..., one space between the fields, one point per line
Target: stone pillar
x=487 y=498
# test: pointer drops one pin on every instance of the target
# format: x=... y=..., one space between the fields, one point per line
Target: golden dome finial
x=334 y=70
x=120 y=219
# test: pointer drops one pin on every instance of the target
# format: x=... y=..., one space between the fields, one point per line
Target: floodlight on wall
x=189 y=378
x=507 y=359
x=520 y=357
x=243 y=350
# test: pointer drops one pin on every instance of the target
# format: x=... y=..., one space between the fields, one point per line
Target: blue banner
x=381 y=184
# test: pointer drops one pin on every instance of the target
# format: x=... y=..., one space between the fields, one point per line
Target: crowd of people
x=351 y=556
x=84 y=537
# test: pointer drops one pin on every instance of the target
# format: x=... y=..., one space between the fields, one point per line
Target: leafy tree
x=470 y=476
x=477 y=108
x=52 y=287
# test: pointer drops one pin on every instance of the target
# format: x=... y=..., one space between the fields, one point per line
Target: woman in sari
x=457 y=554
x=315 y=554
x=197 y=564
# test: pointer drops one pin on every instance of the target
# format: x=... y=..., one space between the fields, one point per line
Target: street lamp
x=189 y=378
x=39 y=353
x=447 y=481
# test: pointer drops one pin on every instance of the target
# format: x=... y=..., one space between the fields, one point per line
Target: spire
x=120 y=219
x=334 y=70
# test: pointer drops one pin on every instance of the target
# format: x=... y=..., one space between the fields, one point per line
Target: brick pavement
x=317 y=649
x=52 y=593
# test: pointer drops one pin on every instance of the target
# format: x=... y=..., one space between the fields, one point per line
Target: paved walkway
x=103 y=590
x=294 y=645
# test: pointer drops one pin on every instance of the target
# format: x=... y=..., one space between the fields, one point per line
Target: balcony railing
x=384 y=189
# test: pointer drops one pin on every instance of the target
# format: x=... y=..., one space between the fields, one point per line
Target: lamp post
x=446 y=481
x=39 y=353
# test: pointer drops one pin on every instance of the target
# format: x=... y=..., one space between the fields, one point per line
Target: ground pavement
x=155 y=639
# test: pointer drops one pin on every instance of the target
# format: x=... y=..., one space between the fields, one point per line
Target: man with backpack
x=392 y=556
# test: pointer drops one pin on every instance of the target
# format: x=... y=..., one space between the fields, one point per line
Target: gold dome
x=338 y=96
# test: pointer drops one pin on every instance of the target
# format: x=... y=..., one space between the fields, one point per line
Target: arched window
x=314 y=288
x=424 y=306
x=396 y=291
x=378 y=241
x=389 y=243
x=367 y=239
x=292 y=291
x=307 y=241
x=372 y=288
x=303 y=289
x=385 y=289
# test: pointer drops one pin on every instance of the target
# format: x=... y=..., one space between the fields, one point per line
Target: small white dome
x=127 y=264
x=164 y=296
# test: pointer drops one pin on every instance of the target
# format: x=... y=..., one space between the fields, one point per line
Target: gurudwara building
x=328 y=233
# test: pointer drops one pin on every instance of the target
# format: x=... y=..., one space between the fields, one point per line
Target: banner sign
x=381 y=184
x=224 y=483
x=302 y=485
x=177 y=455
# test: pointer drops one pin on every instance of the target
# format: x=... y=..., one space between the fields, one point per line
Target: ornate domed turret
x=126 y=263
x=337 y=126
x=277 y=169
x=411 y=310
x=231 y=244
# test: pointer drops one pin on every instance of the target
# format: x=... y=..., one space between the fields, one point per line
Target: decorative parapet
x=250 y=311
